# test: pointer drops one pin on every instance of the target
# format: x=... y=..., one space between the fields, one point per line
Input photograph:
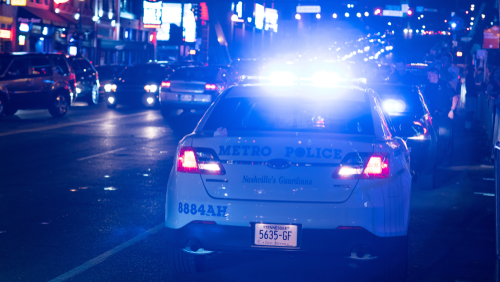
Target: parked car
x=87 y=80
x=108 y=74
x=412 y=121
x=36 y=81
x=137 y=85
x=193 y=88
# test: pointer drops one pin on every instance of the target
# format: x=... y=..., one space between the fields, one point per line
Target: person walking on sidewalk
x=470 y=96
x=442 y=101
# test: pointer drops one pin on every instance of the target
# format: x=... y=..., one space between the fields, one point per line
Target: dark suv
x=36 y=81
x=87 y=80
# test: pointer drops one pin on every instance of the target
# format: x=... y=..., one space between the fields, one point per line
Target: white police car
x=290 y=168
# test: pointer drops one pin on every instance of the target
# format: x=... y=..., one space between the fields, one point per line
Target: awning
x=6 y=20
x=71 y=18
x=46 y=16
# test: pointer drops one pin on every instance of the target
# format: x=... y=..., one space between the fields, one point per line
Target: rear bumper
x=223 y=238
x=196 y=101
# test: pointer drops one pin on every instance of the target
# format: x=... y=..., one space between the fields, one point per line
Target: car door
x=18 y=82
x=41 y=74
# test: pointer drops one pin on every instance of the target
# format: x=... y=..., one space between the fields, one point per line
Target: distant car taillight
x=363 y=166
x=199 y=160
x=209 y=86
x=165 y=84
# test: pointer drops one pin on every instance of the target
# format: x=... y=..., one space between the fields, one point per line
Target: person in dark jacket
x=401 y=75
x=470 y=96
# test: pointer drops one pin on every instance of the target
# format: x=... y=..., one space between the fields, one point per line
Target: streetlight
x=453 y=25
x=358 y=15
x=334 y=15
x=389 y=23
x=367 y=14
x=297 y=16
x=423 y=26
x=483 y=16
x=318 y=16
x=346 y=15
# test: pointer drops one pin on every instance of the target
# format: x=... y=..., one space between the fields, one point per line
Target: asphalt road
x=82 y=198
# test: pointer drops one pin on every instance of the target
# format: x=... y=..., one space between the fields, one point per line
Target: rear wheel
x=166 y=111
x=59 y=105
x=9 y=111
x=425 y=181
x=182 y=262
x=93 y=98
x=2 y=105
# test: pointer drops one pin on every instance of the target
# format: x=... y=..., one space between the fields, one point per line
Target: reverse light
x=151 y=88
x=363 y=166
x=209 y=86
x=199 y=160
x=110 y=87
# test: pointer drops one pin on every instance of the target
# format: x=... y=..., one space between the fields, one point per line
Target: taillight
x=199 y=160
x=165 y=84
x=363 y=166
x=209 y=86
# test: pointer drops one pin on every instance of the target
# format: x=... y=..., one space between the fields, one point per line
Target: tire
x=93 y=98
x=59 y=104
x=2 y=105
x=425 y=181
x=10 y=111
x=395 y=266
x=182 y=262
x=166 y=112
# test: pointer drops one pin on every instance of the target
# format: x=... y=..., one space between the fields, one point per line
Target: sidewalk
x=452 y=228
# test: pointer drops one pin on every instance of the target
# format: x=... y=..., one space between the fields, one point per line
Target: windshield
x=142 y=72
x=195 y=74
x=297 y=115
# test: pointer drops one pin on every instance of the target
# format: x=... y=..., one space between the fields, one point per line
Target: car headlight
x=110 y=87
x=151 y=88
x=392 y=106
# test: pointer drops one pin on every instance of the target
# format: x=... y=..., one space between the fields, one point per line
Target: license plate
x=276 y=235
x=186 y=98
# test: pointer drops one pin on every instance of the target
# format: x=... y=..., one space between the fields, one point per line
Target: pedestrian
x=471 y=96
x=442 y=101
x=400 y=74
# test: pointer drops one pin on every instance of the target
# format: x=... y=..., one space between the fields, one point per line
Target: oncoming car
x=290 y=169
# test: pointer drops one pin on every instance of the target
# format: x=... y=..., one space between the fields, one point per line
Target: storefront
x=6 y=34
x=39 y=30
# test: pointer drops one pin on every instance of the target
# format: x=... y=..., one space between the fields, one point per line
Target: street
x=77 y=192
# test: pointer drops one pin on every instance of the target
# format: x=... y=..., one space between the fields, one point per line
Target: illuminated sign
x=5 y=33
x=391 y=13
x=152 y=14
x=18 y=2
x=24 y=27
x=271 y=19
x=171 y=14
x=22 y=40
x=259 y=16
x=308 y=9
x=60 y=1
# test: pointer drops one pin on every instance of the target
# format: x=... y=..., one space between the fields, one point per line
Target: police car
x=291 y=169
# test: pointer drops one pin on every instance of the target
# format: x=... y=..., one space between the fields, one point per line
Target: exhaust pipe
x=194 y=246
x=361 y=252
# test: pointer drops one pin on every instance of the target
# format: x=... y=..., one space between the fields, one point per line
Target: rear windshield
x=401 y=101
x=145 y=72
x=295 y=115
x=195 y=74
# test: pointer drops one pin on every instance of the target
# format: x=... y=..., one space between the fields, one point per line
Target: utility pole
x=181 y=47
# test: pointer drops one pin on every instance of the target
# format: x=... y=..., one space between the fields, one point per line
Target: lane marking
x=81 y=268
x=97 y=155
x=69 y=124
x=484 y=194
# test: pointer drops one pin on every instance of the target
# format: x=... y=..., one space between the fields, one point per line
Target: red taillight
x=363 y=166
x=165 y=84
x=210 y=86
x=199 y=160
